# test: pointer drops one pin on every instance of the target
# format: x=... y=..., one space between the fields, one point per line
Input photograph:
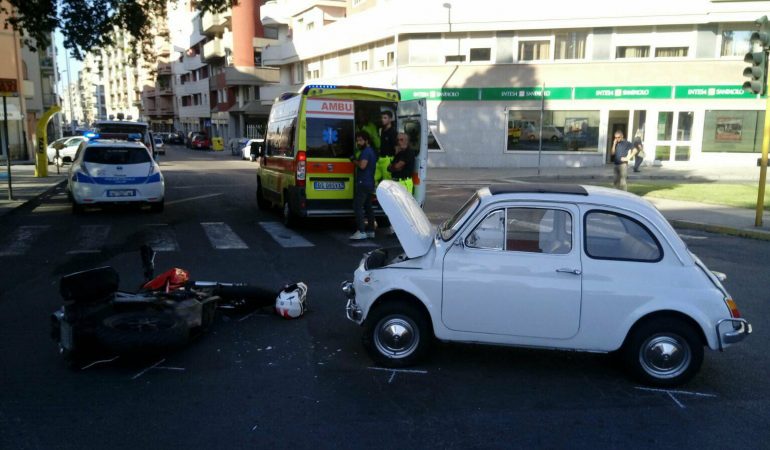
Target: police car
x=115 y=172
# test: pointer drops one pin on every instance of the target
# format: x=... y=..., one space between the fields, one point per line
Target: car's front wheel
x=397 y=334
x=664 y=352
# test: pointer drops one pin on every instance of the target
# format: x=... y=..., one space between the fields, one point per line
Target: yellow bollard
x=41 y=158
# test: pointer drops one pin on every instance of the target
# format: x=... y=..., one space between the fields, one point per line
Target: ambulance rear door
x=413 y=120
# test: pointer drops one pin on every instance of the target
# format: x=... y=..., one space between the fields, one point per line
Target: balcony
x=213 y=49
x=46 y=64
x=49 y=100
x=164 y=90
x=251 y=76
x=164 y=69
x=214 y=23
x=192 y=63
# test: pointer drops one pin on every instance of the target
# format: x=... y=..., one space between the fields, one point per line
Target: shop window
x=534 y=50
x=570 y=45
x=736 y=42
x=662 y=152
x=481 y=54
x=561 y=131
x=671 y=52
x=733 y=131
x=684 y=126
x=665 y=123
x=682 y=153
x=632 y=51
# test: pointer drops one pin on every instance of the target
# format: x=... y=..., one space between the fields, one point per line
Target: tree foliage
x=87 y=24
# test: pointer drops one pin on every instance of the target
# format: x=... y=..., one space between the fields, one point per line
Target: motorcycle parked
x=164 y=314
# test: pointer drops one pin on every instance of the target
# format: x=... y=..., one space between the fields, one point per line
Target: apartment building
x=667 y=72
x=72 y=107
x=233 y=50
x=158 y=90
x=190 y=75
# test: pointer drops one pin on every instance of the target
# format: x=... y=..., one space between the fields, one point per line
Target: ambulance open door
x=413 y=120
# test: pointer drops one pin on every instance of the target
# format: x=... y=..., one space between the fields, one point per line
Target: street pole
x=69 y=94
x=540 y=141
x=6 y=147
x=763 y=166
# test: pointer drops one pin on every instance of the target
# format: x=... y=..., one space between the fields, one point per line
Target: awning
x=252 y=108
x=13 y=111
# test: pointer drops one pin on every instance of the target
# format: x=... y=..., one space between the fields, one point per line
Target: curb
x=719 y=229
x=33 y=198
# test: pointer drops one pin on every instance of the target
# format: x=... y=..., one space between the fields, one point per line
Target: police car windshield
x=116 y=155
x=127 y=128
x=330 y=138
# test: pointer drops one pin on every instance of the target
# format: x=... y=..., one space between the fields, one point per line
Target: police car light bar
x=91 y=135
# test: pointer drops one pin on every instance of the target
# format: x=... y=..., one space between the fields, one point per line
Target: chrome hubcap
x=396 y=337
x=665 y=356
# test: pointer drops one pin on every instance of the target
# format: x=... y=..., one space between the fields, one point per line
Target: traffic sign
x=9 y=87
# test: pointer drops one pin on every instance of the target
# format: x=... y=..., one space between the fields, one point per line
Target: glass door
x=674 y=135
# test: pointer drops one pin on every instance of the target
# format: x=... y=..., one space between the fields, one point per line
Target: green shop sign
x=526 y=93
x=442 y=94
x=712 y=92
x=633 y=92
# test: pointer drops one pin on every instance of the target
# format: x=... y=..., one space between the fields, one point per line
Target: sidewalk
x=25 y=186
x=713 y=218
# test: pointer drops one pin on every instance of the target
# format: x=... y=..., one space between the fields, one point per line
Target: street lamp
x=448 y=7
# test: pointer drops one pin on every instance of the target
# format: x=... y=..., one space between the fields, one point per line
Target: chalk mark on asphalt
x=101 y=361
x=673 y=394
x=189 y=199
x=393 y=372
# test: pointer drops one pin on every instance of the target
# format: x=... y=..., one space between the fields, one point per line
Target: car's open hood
x=414 y=231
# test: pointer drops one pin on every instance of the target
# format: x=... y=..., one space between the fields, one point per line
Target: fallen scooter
x=165 y=313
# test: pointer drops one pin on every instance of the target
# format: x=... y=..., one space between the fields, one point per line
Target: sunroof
x=538 y=188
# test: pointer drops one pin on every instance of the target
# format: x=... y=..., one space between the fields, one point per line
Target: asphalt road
x=258 y=381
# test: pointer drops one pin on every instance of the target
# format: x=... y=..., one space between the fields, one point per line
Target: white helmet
x=290 y=303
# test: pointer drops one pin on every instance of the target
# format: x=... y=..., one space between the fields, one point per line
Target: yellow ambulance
x=304 y=164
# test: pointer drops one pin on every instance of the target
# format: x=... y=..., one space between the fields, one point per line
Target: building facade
x=667 y=72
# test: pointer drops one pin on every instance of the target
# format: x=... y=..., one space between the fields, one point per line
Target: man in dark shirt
x=403 y=162
x=387 y=146
x=622 y=152
x=364 y=186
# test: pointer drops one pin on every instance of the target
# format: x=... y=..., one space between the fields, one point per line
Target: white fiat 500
x=115 y=172
x=549 y=266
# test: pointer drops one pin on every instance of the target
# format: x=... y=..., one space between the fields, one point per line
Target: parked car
x=200 y=142
x=67 y=146
x=236 y=145
x=548 y=266
x=550 y=133
x=108 y=172
x=175 y=139
x=246 y=152
x=159 y=146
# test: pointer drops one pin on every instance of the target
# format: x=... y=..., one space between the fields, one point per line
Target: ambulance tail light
x=301 y=169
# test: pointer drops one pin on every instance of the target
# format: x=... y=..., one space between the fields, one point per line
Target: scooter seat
x=89 y=286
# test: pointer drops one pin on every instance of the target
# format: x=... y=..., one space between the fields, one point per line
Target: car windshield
x=450 y=226
x=116 y=155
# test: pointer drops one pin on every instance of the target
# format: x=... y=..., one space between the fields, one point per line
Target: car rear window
x=116 y=155
x=330 y=138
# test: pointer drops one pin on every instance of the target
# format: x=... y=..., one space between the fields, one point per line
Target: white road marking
x=676 y=400
x=161 y=238
x=222 y=237
x=90 y=239
x=284 y=236
x=54 y=207
x=148 y=369
x=189 y=199
x=694 y=238
x=22 y=238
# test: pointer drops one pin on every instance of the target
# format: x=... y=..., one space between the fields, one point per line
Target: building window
x=633 y=51
x=362 y=66
x=481 y=54
x=454 y=58
x=735 y=42
x=299 y=72
x=561 y=130
x=570 y=45
x=258 y=57
x=390 y=58
x=310 y=26
x=671 y=52
x=534 y=50
x=733 y=131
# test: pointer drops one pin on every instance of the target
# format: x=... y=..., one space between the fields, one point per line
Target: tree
x=87 y=24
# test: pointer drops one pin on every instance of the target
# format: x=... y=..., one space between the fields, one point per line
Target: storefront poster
x=729 y=129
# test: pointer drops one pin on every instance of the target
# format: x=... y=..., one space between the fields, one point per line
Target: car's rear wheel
x=397 y=334
x=664 y=352
x=290 y=220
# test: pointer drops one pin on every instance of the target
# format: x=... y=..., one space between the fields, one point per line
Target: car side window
x=490 y=233
x=610 y=235
x=538 y=230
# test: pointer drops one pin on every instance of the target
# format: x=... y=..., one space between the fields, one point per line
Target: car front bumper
x=352 y=310
x=740 y=329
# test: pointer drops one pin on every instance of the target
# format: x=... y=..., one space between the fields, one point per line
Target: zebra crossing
x=95 y=238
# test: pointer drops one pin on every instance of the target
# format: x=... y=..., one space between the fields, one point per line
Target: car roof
x=539 y=188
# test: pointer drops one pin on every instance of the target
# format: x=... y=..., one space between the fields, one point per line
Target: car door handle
x=572 y=271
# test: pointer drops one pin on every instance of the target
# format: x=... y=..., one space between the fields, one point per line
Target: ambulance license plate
x=121 y=193
x=329 y=185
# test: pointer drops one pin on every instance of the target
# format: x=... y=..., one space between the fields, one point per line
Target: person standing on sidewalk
x=365 y=164
x=622 y=152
